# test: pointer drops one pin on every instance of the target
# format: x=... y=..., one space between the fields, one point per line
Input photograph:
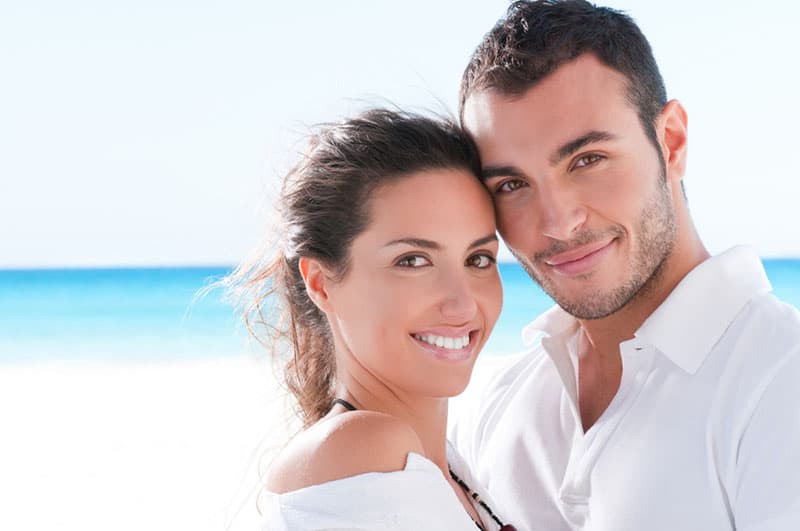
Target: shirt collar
x=690 y=321
x=558 y=328
x=554 y=322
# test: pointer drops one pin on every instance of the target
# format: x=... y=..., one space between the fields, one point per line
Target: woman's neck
x=426 y=415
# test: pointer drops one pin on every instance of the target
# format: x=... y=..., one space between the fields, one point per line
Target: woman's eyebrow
x=434 y=246
x=483 y=241
x=416 y=242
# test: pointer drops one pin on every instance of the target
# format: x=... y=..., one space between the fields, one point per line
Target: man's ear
x=317 y=281
x=672 y=128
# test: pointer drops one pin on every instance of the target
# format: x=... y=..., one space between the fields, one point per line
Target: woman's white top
x=415 y=498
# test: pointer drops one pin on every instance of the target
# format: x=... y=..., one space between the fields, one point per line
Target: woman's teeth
x=451 y=343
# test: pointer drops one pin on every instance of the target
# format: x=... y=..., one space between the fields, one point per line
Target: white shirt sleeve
x=766 y=493
x=417 y=497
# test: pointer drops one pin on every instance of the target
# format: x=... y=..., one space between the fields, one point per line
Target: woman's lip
x=445 y=354
x=443 y=331
x=584 y=261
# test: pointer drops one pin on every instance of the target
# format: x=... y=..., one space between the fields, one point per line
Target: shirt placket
x=587 y=449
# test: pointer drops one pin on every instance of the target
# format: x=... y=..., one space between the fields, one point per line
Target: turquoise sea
x=152 y=314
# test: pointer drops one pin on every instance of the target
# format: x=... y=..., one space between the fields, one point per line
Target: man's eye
x=587 y=160
x=481 y=261
x=413 y=260
x=509 y=186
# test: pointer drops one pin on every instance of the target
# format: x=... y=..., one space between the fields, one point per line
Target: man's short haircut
x=536 y=37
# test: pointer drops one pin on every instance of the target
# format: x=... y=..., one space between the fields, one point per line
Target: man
x=665 y=391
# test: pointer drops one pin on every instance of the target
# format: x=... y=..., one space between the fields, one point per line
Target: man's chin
x=589 y=313
x=593 y=303
x=584 y=301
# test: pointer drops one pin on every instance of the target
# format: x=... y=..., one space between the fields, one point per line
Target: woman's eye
x=509 y=186
x=586 y=160
x=413 y=260
x=481 y=261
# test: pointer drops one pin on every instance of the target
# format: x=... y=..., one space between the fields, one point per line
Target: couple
x=662 y=393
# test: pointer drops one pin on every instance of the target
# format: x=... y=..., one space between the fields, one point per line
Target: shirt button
x=575 y=511
x=574 y=497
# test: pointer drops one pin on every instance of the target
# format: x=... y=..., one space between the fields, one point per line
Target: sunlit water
x=153 y=314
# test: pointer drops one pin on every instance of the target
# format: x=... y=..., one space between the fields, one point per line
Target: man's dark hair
x=535 y=38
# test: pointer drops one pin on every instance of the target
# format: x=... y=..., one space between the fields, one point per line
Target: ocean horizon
x=154 y=314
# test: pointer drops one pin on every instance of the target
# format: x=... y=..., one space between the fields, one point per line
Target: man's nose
x=561 y=213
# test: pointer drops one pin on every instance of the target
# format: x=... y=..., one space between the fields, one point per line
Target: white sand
x=118 y=446
x=137 y=446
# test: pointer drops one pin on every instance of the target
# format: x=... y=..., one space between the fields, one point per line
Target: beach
x=128 y=404
x=135 y=446
x=127 y=446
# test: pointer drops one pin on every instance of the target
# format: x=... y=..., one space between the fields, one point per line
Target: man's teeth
x=452 y=343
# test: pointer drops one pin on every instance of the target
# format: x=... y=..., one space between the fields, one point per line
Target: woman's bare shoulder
x=343 y=446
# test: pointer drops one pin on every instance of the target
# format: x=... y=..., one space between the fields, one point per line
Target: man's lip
x=573 y=255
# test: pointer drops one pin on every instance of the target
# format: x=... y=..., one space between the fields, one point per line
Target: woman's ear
x=317 y=281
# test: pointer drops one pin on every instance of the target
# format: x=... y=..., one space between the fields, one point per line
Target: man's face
x=580 y=191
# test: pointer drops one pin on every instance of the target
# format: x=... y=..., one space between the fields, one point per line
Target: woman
x=388 y=280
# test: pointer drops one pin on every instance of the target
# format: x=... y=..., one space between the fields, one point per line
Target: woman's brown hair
x=322 y=207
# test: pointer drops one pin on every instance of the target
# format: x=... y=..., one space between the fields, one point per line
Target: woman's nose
x=458 y=303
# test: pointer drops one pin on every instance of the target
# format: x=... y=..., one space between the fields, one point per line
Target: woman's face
x=422 y=292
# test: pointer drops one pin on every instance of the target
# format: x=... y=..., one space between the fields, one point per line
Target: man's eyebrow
x=500 y=171
x=561 y=153
x=574 y=145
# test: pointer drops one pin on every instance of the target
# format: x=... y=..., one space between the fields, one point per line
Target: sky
x=156 y=132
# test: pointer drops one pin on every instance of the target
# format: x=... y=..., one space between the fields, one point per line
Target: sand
x=137 y=446
x=127 y=446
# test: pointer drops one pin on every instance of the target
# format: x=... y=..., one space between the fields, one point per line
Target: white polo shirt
x=703 y=434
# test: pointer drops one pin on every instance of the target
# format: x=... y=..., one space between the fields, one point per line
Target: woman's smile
x=448 y=345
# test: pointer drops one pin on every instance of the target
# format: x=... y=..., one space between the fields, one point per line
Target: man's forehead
x=581 y=76
x=480 y=110
x=573 y=96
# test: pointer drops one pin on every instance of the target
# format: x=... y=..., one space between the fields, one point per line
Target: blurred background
x=141 y=146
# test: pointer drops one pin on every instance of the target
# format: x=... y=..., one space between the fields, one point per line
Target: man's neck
x=606 y=334
x=599 y=360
